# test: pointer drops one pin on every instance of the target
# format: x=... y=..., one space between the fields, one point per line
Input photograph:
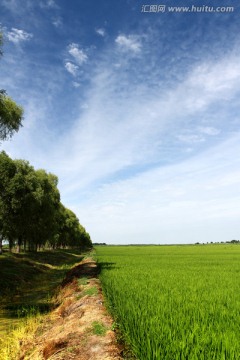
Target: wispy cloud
x=48 y=4
x=23 y=12
x=128 y=129
x=57 y=22
x=76 y=84
x=209 y=130
x=78 y=54
x=197 y=135
x=190 y=138
x=71 y=68
x=215 y=80
x=194 y=197
x=17 y=36
x=10 y=4
x=129 y=43
x=101 y=32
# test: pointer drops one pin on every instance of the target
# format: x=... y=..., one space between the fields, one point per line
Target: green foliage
x=28 y=201
x=70 y=231
x=175 y=302
x=11 y=116
x=31 y=213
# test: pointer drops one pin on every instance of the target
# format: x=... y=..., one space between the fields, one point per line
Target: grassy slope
x=28 y=282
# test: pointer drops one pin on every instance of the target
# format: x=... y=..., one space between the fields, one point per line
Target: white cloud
x=208 y=130
x=101 y=32
x=213 y=81
x=12 y=5
x=130 y=129
x=84 y=106
x=16 y=35
x=196 y=200
x=212 y=78
x=49 y=4
x=116 y=134
x=71 y=68
x=78 y=54
x=190 y=138
x=57 y=22
x=129 y=43
x=76 y=84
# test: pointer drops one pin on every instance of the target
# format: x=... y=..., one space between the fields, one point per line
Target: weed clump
x=98 y=328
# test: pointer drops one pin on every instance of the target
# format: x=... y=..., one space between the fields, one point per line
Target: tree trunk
x=10 y=244
x=19 y=244
x=1 y=245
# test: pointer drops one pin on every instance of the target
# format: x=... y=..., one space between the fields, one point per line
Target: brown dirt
x=68 y=333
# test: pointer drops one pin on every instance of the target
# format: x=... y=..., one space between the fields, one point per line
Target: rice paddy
x=175 y=302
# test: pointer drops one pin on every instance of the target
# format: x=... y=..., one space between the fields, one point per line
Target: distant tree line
x=31 y=213
x=222 y=242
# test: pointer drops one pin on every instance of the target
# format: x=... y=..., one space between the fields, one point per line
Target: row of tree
x=31 y=213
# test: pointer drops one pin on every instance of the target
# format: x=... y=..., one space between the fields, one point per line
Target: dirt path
x=80 y=327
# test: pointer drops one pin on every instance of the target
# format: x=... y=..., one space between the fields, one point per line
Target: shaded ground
x=28 y=282
x=22 y=272
x=80 y=328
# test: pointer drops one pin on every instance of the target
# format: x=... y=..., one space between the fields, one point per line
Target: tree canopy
x=31 y=213
x=11 y=114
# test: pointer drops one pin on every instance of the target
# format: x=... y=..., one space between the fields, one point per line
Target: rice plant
x=175 y=302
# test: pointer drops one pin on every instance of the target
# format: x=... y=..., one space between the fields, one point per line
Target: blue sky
x=136 y=112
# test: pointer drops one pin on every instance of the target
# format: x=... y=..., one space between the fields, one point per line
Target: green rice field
x=175 y=302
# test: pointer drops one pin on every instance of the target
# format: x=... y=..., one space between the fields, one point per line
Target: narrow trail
x=80 y=327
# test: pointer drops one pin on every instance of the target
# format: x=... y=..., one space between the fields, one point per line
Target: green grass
x=92 y=291
x=98 y=328
x=83 y=281
x=175 y=302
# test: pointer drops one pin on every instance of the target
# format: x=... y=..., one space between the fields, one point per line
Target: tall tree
x=29 y=202
x=7 y=172
x=11 y=114
x=70 y=232
x=31 y=214
x=48 y=197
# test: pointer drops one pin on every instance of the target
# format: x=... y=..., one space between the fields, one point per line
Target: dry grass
x=52 y=347
x=69 y=333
